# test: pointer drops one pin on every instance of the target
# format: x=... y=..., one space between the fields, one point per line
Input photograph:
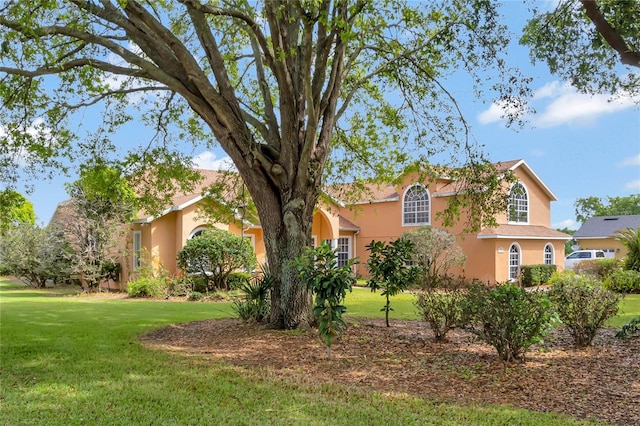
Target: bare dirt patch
x=601 y=382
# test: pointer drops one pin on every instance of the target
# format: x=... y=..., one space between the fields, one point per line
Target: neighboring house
x=599 y=233
x=522 y=237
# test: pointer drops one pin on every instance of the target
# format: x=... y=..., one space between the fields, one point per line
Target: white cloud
x=493 y=114
x=550 y=90
x=560 y=103
x=571 y=107
x=499 y=110
x=208 y=160
x=633 y=185
x=568 y=223
x=631 y=161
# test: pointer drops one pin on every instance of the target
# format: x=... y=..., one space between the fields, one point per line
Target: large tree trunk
x=287 y=232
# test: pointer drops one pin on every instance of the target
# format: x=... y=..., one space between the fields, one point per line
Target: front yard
x=94 y=360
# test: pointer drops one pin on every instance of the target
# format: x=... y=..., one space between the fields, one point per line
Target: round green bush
x=623 y=282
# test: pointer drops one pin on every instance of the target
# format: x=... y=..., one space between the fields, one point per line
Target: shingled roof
x=606 y=226
x=522 y=232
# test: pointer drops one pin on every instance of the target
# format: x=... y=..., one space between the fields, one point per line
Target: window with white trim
x=415 y=206
x=197 y=232
x=514 y=262
x=549 y=254
x=343 y=251
x=137 y=249
x=518 y=204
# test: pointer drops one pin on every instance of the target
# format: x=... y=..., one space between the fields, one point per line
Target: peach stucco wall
x=383 y=221
x=539 y=202
x=165 y=236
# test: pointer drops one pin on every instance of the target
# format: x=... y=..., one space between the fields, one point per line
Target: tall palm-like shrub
x=631 y=239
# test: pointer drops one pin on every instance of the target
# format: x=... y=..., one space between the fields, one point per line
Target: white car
x=580 y=255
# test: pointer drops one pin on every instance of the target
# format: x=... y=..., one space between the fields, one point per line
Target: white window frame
x=552 y=252
x=197 y=231
x=514 y=276
x=518 y=210
x=342 y=243
x=137 y=249
x=415 y=206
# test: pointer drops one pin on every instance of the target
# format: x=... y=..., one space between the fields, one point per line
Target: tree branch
x=77 y=63
x=615 y=40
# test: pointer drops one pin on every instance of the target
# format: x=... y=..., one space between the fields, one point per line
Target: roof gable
x=522 y=165
x=378 y=193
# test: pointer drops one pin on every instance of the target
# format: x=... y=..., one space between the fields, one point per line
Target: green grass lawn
x=68 y=360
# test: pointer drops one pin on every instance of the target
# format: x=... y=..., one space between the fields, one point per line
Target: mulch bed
x=601 y=382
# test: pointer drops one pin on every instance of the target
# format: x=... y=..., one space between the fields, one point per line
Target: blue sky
x=579 y=145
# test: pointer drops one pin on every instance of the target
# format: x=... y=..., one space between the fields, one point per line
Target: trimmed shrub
x=441 y=307
x=195 y=296
x=236 y=280
x=598 y=268
x=627 y=281
x=583 y=305
x=214 y=255
x=147 y=287
x=533 y=275
x=507 y=317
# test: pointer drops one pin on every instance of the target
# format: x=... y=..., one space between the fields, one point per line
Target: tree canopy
x=585 y=42
x=295 y=92
x=15 y=209
x=613 y=206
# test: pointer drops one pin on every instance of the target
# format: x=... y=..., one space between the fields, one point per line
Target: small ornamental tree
x=435 y=251
x=214 y=254
x=391 y=269
x=319 y=271
x=101 y=202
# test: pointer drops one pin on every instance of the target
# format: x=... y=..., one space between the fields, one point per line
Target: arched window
x=518 y=204
x=415 y=206
x=549 y=254
x=514 y=261
x=196 y=232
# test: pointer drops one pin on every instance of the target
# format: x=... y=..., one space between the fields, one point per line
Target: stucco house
x=522 y=236
x=162 y=236
x=599 y=233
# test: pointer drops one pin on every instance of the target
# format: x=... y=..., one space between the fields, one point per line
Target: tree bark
x=287 y=231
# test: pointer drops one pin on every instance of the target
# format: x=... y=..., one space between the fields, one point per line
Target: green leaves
x=571 y=45
x=391 y=269
x=318 y=268
x=214 y=254
x=507 y=317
